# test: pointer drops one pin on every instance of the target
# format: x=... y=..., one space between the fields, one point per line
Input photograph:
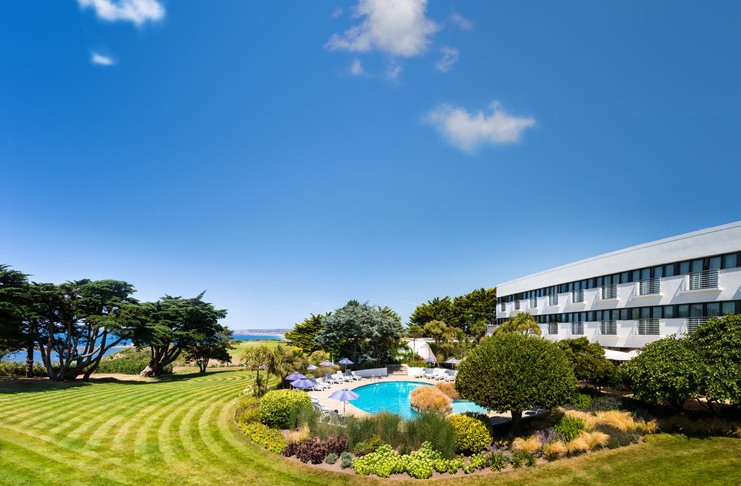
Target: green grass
x=238 y=349
x=178 y=430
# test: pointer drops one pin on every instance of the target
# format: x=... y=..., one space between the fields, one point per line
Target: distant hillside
x=268 y=332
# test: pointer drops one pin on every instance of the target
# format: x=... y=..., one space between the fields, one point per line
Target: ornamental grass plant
x=430 y=398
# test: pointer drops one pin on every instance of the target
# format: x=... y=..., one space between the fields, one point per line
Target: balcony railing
x=649 y=327
x=553 y=328
x=553 y=299
x=577 y=296
x=707 y=279
x=577 y=328
x=694 y=322
x=517 y=305
x=533 y=302
x=608 y=328
x=609 y=291
x=650 y=286
x=504 y=307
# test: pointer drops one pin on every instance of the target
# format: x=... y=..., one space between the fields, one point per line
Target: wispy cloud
x=460 y=22
x=393 y=70
x=136 y=11
x=96 y=58
x=449 y=58
x=336 y=13
x=468 y=131
x=356 y=68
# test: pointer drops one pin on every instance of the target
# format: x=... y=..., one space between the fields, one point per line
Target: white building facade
x=629 y=298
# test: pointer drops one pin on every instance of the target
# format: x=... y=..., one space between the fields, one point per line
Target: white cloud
x=356 y=69
x=468 y=131
x=136 y=11
x=101 y=60
x=396 y=27
x=460 y=21
x=336 y=13
x=449 y=58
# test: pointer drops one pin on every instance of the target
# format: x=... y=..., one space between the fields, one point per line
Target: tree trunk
x=29 y=359
x=516 y=427
x=149 y=370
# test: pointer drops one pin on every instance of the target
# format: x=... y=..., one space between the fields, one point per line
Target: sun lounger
x=429 y=373
x=354 y=376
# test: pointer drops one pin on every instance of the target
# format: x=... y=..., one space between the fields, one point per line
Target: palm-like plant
x=523 y=323
x=255 y=359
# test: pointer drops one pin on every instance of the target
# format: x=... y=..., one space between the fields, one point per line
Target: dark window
x=714 y=263
x=656 y=311
x=728 y=307
x=696 y=310
x=669 y=270
x=590 y=316
x=669 y=311
x=697 y=265
x=683 y=311
x=658 y=271
x=684 y=268
x=636 y=275
x=635 y=313
x=645 y=312
x=645 y=273
x=599 y=281
x=713 y=309
x=729 y=261
x=624 y=314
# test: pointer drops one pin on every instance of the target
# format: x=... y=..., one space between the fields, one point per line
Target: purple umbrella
x=295 y=376
x=326 y=363
x=344 y=396
x=311 y=367
x=430 y=360
x=303 y=383
x=345 y=361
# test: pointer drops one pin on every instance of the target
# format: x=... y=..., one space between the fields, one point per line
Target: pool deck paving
x=323 y=396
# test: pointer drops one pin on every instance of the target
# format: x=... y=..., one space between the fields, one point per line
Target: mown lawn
x=179 y=431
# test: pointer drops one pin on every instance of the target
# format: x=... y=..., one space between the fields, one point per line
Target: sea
x=21 y=356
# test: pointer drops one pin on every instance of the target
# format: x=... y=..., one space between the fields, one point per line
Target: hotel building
x=628 y=298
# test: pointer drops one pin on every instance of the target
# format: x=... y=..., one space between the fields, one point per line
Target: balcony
x=533 y=302
x=553 y=299
x=503 y=307
x=553 y=328
x=649 y=327
x=577 y=296
x=705 y=280
x=608 y=328
x=577 y=328
x=517 y=305
x=650 y=286
x=608 y=292
x=693 y=323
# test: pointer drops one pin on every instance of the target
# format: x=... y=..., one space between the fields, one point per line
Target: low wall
x=372 y=372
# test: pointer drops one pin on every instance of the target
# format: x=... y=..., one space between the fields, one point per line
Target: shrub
x=337 y=445
x=430 y=398
x=514 y=372
x=471 y=434
x=265 y=437
x=596 y=439
x=577 y=446
x=517 y=459
x=13 y=368
x=419 y=463
x=617 y=438
x=705 y=427
x=498 y=460
x=530 y=445
x=604 y=404
x=530 y=460
x=718 y=346
x=431 y=427
x=331 y=458
x=346 y=460
x=581 y=401
x=127 y=362
x=277 y=406
x=569 y=427
x=554 y=450
x=312 y=450
x=247 y=411
x=449 y=389
x=367 y=446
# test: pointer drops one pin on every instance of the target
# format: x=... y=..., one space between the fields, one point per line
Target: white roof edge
x=693 y=234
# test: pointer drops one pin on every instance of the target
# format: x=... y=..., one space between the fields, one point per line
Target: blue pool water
x=393 y=396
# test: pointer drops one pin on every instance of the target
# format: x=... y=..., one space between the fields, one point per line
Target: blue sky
x=289 y=156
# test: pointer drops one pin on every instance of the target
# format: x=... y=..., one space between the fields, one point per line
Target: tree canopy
x=588 y=360
x=522 y=323
x=515 y=372
x=470 y=312
x=304 y=334
x=212 y=346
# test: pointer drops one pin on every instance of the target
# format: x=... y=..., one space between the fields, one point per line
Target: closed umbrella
x=345 y=361
x=295 y=376
x=302 y=383
x=344 y=396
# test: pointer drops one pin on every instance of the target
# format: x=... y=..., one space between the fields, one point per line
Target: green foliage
x=265 y=437
x=277 y=406
x=367 y=446
x=346 y=460
x=431 y=427
x=522 y=323
x=717 y=344
x=581 y=401
x=304 y=334
x=588 y=359
x=247 y=410
x=666 y=371
x=16 y=369
x=569 y=428
x=618 y=438
x=514 y=372
x=419 y=464
x=475 y=462
x=128 y=362
x=213 y=345
x=434 y=310
x=361 y=331
x=475 y=310
x=471 y=434
x=497 y=460
x=331 y=458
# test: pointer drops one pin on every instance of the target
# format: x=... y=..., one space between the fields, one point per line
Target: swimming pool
x=393 y=396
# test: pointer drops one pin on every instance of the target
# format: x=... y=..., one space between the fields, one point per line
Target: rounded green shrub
x=471 y=434
x=277 y=406
x=569 y=428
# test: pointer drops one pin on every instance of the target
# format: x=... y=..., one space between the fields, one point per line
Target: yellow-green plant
x=471 y=434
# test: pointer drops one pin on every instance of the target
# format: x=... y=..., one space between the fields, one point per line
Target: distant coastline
x=262 y=332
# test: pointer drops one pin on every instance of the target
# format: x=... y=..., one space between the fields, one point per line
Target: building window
x=577 y=328
x=517 y=305
x=649 y=327
x=553 y=299
x=651 y=286
x=504 y=307
x=703 y=279
x=533 y=302
x=553 y=328
x=608 y=328
x=577 y=296
x=609 y=292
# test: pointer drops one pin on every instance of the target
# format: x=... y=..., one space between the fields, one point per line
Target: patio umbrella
x=302 y=383
x=452 y=361
x=345 y=361
x=311 y=367
x=430 y=360
x=344 y=396
x=295 y=376
x=326 y=363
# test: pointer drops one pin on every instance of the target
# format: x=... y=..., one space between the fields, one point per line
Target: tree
x=515 y=372
x=434 y=310
x=443 y=335
x=360 y=330
x=717 y=343
x=174 y=324
x=667 y=371
x=474 y=308
x=522 y=323
x=215 y=346
x=256 y=359
x=588 y=359
x=304 y=334
x=286 y=360
x=16 y=332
